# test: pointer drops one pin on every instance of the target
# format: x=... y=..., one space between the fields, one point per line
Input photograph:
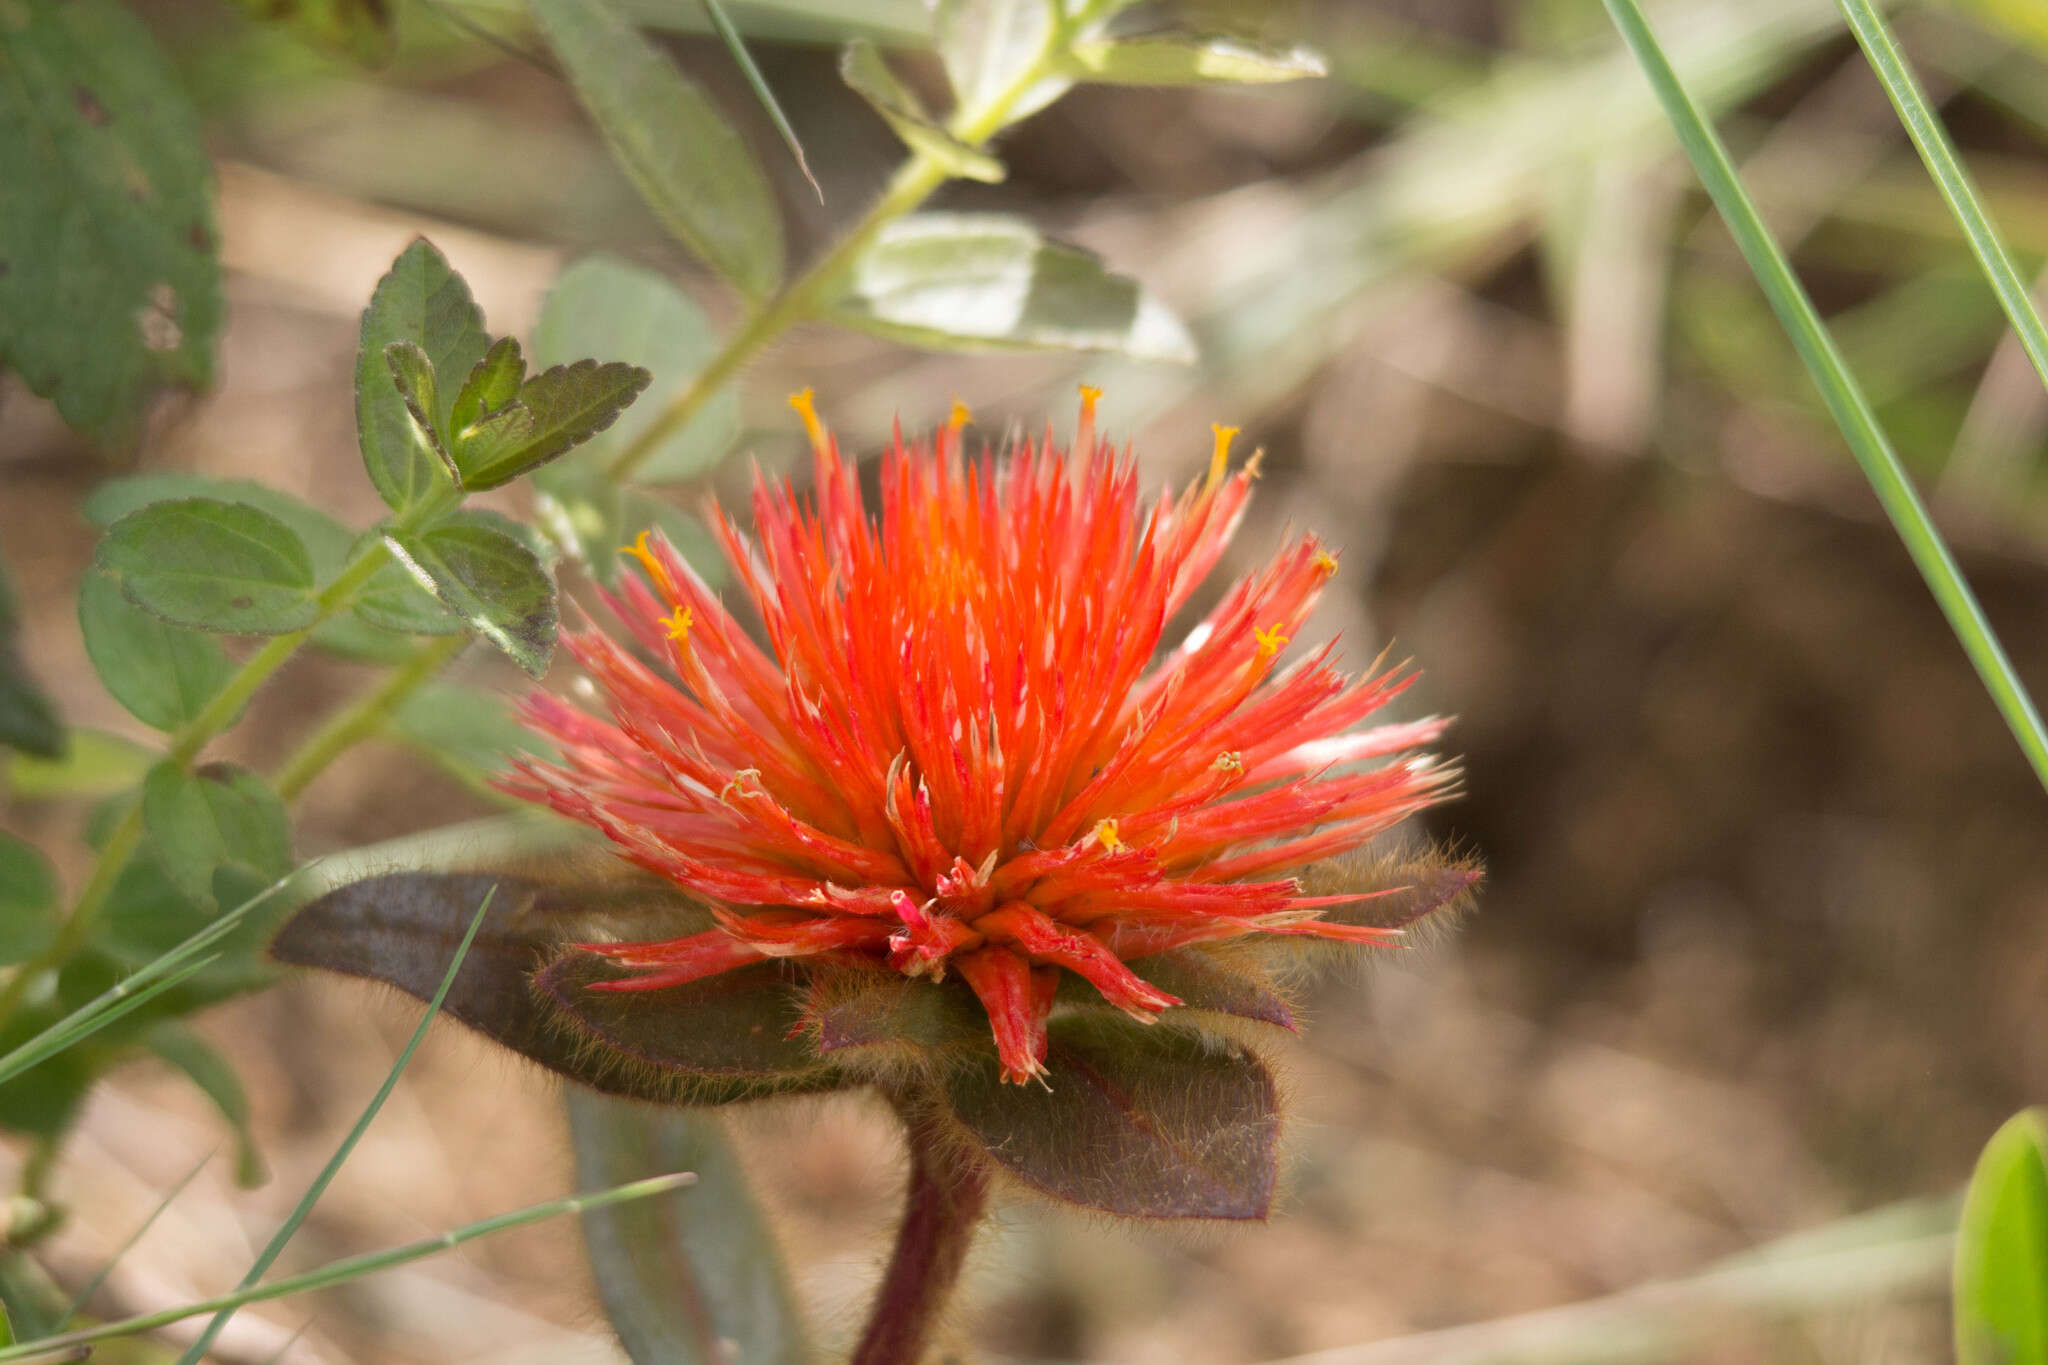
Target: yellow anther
x=1270 y=640
x=1219 y=459
x=638 y=550
x=1326 y=564
x=805 y=401
x=959 y=417
x=679 y=625
x=1255 y=465
x=747 y=782
x=1105 y=835
x=1090 y=396
x=1084 y=430
x=1228 y=762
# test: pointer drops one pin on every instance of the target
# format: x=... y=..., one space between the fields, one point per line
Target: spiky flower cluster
x=962 y=748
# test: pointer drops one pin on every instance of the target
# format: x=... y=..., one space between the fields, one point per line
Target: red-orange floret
x=962 y=747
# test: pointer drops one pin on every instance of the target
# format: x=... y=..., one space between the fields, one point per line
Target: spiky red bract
x=962 y=748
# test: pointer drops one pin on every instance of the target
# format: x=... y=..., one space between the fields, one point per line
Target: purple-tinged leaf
x=1144 y=1122
x=880 y=1014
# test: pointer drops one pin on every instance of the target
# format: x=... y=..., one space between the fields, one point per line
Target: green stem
x=342 y=1272
x=1844 y=397
x=802 y=297
x=358 y=722
x=1932 y=140
x=186 y=744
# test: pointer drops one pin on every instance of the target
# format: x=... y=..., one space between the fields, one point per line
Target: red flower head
x=962 y=748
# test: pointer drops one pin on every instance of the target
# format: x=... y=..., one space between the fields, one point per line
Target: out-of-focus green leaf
x=421 y=300
x=491 y=383
x=673 y=143
x=148 y=915
x=2001 y=1275
x=28 y=721
x=473 y=730
x=219 y=814
x=211 y=565
x=602 y=306
x=861 y=66
x=326 y=540
x=360 y=29
x=109 y=275
x=412 y=374
x=163 y=674
x=95 y=763
x=2023 y=20
x=28 y=901
x=988 y=44
x=966 y=281
x=1192 y=61
x=590 y=516
x=490 y=579
x=179 y=1047
x=694 y=1277
x=555 y=411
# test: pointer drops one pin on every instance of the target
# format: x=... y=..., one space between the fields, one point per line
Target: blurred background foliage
x=1767 y=927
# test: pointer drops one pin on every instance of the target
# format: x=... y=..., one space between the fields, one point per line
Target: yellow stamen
x=1228 y=762
x=1252 y=467
x=679 y=625
x=1219 y=459
x=1326 y=564
x=1270 y=640
x=959 y=417
x=638 y=549
x=1090 y=396
x=1105 y=834
x=805 y=401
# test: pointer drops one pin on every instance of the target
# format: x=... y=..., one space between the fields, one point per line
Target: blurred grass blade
x=133 y=991
x=226 y=1308
x=737 y=45
x=353 y=1268
x=1844 y=399
x=92 y=1286
x=1932 y=140
x=693 y=1279
x=2001 y=1273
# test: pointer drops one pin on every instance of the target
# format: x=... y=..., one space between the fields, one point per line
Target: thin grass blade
x=351 y=1268
x=92 y=1286
x=1950 y=176
x=737 y=45
x=1844 y=398
x=197 y=1351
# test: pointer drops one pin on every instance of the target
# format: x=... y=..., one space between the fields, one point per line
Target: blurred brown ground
x=1765 y=937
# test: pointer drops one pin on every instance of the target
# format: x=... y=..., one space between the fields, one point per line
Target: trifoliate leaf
x=553 y=412
x=423 y=301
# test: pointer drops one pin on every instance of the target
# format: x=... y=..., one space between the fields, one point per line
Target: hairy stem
x=947 y=1196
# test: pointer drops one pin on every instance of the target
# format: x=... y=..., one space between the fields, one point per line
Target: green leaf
x=149 y=914
x=109 y=276
x=861 y=66
x=163 y=674
x=412 y=374
x=422 y=300
x=219 y=566
x=961 y=281
x=28 y=721
x=394 y=600
x=28 y=901
x=1192 y=61
x=889 y=1018
x=360 y=29
x=491 y=383
x=1214 y=981
x=95 y=763
x=1145 y=1122
x=397 y=928
x=473 y=731
x=987 y=45
x=555 y=411
x=179 y=1047
x=602 y=306
x=673 y=143
x=218 y=814
x=2001 y=1272
x=694 y=1277
x=326 y=540
x=491 y=580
